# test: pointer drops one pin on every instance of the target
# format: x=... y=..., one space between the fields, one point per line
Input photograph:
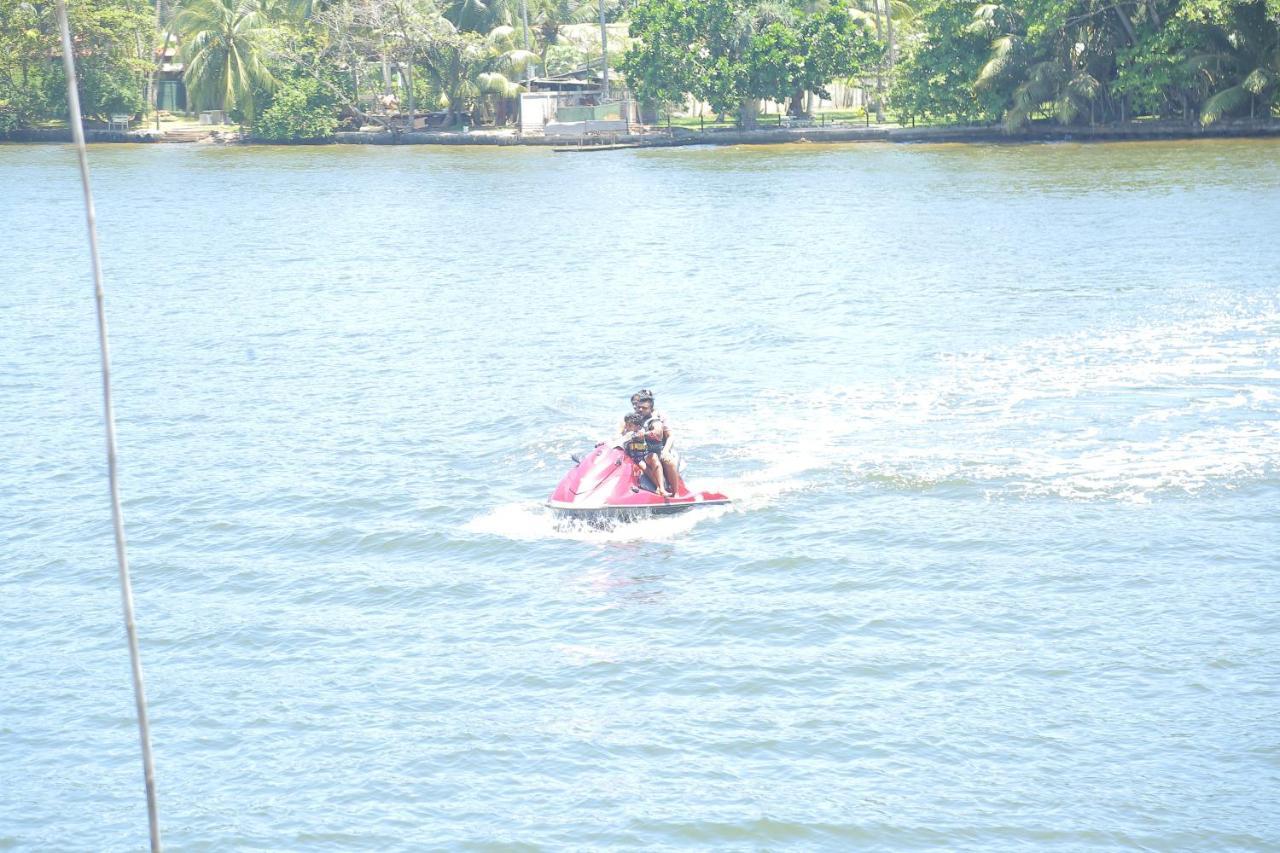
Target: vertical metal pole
x=413 y=104
x=531 y=68
x=117 y=518
x=604 y=53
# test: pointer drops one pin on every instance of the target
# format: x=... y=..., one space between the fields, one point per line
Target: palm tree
x=1242 y=64
x=464 y=66
x=505 y=61
x=550 y=15
x=886 y=11
x=1057 y=73
x=478 y=16
x=223 y=49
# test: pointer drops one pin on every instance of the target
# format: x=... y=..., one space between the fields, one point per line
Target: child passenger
x=639 y=446
x=636 y=444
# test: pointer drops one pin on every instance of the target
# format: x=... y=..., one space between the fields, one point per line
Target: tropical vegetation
x=1089 y=61
x=298 y=69
x=734 y=53
x=113 y=39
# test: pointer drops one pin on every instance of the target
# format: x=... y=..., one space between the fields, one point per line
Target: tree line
x=297 y=68
x=1016 y=62
x=293 y=69
x=1090 y=61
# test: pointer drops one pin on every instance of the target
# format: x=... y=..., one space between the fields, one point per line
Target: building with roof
x=575 y=104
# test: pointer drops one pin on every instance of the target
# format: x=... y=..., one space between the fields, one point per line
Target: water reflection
x=614 y=581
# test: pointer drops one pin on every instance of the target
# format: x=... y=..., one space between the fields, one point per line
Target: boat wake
x=1149 y=412
x=532 y=520
x=1133 y=415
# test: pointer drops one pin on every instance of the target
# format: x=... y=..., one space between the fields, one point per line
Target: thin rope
x=117 y=518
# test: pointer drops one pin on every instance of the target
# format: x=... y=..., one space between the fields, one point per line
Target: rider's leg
x=654 y=471
x=672 y=476
x=670 y=469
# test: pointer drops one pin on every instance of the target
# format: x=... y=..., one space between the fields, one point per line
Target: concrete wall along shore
x=63 y=135
x=224 y=135
x=731 y=136
x=848 y=133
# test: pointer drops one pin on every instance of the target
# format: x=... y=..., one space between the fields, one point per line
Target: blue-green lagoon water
x=1002 y=424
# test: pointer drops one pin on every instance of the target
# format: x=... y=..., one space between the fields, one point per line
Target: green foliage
x=299 y=110
x=479 y=16
x=775 y=62
x=112 y=38
x=547 y=17
x=1017 y=61
x=786 y=60
x=224 y=47
x=21 y=107
x=1078 y=61
x=1239 y=63
x=940 y=64
x=839 y=46
x=731 y=53
x=466 y=66
x=669 y=59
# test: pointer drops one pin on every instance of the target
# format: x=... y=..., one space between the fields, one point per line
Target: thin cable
x=117 y=518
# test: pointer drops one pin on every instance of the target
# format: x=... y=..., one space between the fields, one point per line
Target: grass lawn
x=764 y=122
x=168 y=121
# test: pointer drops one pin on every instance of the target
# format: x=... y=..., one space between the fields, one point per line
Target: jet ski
x=606 y=484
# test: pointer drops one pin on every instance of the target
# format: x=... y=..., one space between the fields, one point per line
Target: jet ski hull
x=607 y=484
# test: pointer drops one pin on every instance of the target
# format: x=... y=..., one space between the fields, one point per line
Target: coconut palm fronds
x=224 y=52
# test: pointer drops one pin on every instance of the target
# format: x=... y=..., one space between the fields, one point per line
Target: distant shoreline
x=1137 y=131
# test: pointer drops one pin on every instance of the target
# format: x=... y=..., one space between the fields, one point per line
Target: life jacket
x=637 y=446
x=654 y=446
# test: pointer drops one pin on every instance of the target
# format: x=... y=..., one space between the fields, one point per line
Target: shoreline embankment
x=841 y=133
x=664 y=138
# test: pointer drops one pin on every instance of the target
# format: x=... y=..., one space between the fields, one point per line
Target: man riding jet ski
x=637 y=474
x=661 y=442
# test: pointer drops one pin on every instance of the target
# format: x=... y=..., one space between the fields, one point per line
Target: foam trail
x=530 y=521
x=1171 y=408
x=1126 y=414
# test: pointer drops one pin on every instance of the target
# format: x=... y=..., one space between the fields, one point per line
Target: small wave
x=533 y=521
x=1127 y=414
x=1130 y=414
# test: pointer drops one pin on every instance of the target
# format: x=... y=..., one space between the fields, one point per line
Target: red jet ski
x=607 y=484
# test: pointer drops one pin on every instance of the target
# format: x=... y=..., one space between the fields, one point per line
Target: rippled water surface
x=1001 y=423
